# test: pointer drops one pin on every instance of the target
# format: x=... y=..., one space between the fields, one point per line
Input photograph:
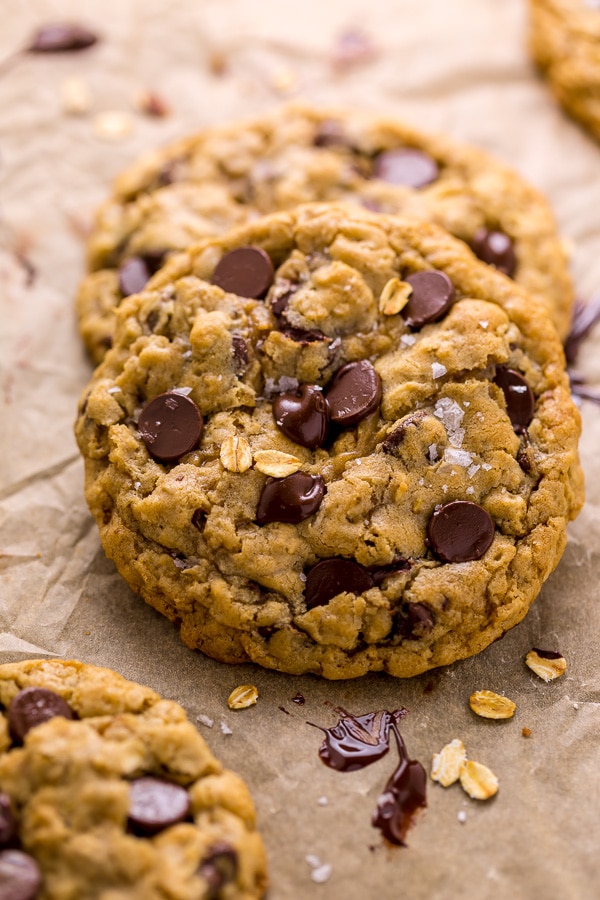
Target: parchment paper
x=460 y=67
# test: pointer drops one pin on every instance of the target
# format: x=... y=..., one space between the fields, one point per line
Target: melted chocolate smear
x=358 y=741
x=404 y=795
x=585 y=316
x=299 y=699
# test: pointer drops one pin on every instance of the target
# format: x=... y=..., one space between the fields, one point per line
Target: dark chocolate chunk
x=547 y=654
x=155 y=804
x=414 y=621
x=354 y=393
x=245 y=271
x=20 y=876
x=219 y=867
x=431 y=298
x=170 y=425
x=8 y=823
x=520 y=402
x=358 y=741
x=302 y=415
x=291 y=499
x=57 y=37
x=460 y=531
x=496 y=249
x=330 y=577
x=405 y=166
x=32 y=706
x=134 y=274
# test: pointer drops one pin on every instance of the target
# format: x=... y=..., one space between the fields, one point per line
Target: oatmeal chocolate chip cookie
x=108 y=791
x=362 y=458
x=564 y=39
x=228 y=175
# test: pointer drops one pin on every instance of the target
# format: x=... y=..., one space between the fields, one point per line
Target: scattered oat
x=478 y=781
x=394 y=297
x=446 y=765
x=112 y=125
x=205 y=720
x=489 y=705
x=548 y=664
x=526 y=732
x=276 y=463
x=151 y=104
x=242 y=697
x=225 y=728
x=76 y=96
x=236 y=455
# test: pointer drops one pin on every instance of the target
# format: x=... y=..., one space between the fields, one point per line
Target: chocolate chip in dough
x=431 y=298
x=134 y=274
x=32 y=706
x=460 y=531
x=330 y=577
x=170 y=425
x=8 y=823
x=245 y=271
x=354 y=393
x=156 y=804
x=496 y=249
x=520 y=402
x=291 y=499
x=20 y=876
x=302 y=415
x=219 y=867
x=406 y=166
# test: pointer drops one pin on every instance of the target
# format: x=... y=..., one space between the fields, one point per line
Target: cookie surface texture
x=228 y=175
x=107 y=791
x=386 y=391
x=564 y=40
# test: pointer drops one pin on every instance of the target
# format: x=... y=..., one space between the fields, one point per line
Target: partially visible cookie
x=333 y=442
x=564 y=39
x=107 y=791
x=228 y=175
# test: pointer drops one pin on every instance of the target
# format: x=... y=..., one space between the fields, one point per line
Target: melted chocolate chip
x=414 y=621
x=245 y=271
x=396 y=437
x=304 y=335
x=547 y=654
x=358 y=741
x=380 y=573
x=32 y=706
x=134 y=275
x=291 y=499
x=431 y=298
x=496 y=249
x=240 y=352
x=170 y=425
x=58 y=37
x=329 y=577
x=8 y=823
x=520 y=402
x=302 y=415
x=404 y=795
x=155 y=804
x=460 y=531
x=279 y=296
x=406 y=166
x=20 y=876
x=219 y=867
x=354 y=393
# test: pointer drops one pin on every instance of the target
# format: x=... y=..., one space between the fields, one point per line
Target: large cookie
x=227 y=175
x=107 y=791
x=371 y=468
x=564 y=39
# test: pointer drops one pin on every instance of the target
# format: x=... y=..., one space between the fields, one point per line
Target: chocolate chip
x=395 y=438
x=155 y=804
x=240 y=352
x=20 y=876
x=406 y=166
x=330 y=577
x=291 y=499
x=496 y=249
x=431 y=298
x=170 y=425
x=302 y=415
x=460 y=531
x=354 y=393
x=414 y=620
x=280 y=294
x=8 y=823
x=199 y=519
x=32 y=706
x=134 y=275
x=380 y=573
x=330 y=133
x=60 y=36
x=520 y=402
x=304 y=336
x=245 y=271
x=219 y=867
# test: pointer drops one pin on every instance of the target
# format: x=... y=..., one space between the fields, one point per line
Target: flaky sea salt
x=449 y=413
x=225 y=728
x=184 y=391
x=484 y=323
x=432 y=453
x=462 y=816
x=407 y=340
x=457 y=457
x=473 y=469
x=321 y=874
x=322 y=801
x=486 y=466
x=457 y=437
x=113 y=390
x=438 y=370
x=205 y=720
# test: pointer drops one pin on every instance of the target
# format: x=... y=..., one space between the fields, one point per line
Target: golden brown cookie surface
x=368 y=466
x=228 y=175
